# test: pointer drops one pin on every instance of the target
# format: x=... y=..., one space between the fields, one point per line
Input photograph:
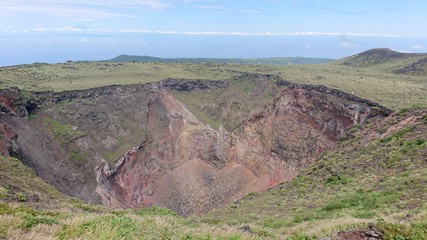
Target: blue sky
x=57 y=30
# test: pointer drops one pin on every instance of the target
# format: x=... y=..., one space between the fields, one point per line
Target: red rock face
x=178 y=147
x=182 y=164
x=10 y=104
x=6 y=140
x=191 y=168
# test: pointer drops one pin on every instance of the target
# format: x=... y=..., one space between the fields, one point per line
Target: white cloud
x=166 y=32
x=220 y=9
x=212 y=33
x=214 y=8
x=154 y=4
x=84 y=40
x=347 y=44
x=62 y=29
x=77 y=9
x=59 y=11
x=414 y=48
x=196 y=1
x=87 y=30
x=251 y=11
x=418 y=47
x=9 y=31
x=405 y=51
x=307 y=46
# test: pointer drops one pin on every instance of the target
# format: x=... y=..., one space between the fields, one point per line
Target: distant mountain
x=398 y=62
x=264 y=61
x=373 y=56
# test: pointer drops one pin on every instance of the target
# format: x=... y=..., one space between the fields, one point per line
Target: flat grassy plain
x=84 y=75
x=271 y=60
x=377 y=82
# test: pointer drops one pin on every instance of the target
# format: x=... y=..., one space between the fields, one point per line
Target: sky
x=59 y=30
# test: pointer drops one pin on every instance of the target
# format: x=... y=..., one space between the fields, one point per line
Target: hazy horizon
x=51 y=31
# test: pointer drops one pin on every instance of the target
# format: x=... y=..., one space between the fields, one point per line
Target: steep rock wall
x=132 y=146
x=191 y=168
x=64 y=136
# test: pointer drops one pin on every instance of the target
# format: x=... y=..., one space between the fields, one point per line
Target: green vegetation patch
x=31 y=221
x=110 y=227
x=32 y=116
x=109 y=156
x=155 y=211
x=399 y=134
x=19 y=182
x=338 y=179
x=78 y=155
x=231 y=105
x=63 y=132
x=3 y=192
x=362 y=200
x=129 y=226
x=5 y=208
x=409 y=231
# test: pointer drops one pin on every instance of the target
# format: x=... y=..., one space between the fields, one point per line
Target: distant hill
x=400 y=63
x=263 y=61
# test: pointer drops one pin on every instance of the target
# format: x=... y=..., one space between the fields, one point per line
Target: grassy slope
x=367 y=178
x=230 y=106
x=20 y=183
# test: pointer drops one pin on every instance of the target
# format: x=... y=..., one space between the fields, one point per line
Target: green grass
x=376 y=82
x=78 y=155
x=403 y=231
x=66 y=134
x=31 y=116
x=271 y=60
x=17 y=222
x=337 y=180
x=362 y=200
x=155 y=211
x=229 y=106
x=63 y=132
x=109 y=156
x=20 y=182
x=130 y=226
x=31 y=221
x=192 y=103
x=121 y=227
x=83 y=75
